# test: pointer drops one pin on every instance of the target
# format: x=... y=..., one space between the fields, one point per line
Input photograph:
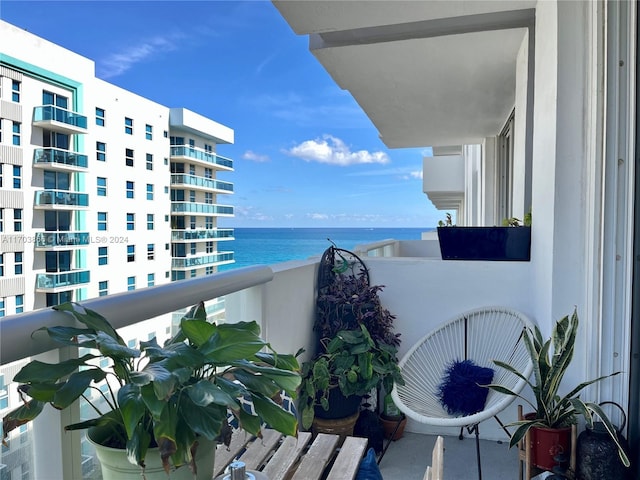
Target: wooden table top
x=293 y=458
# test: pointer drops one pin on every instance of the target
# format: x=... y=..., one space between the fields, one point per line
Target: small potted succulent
x=171 y=401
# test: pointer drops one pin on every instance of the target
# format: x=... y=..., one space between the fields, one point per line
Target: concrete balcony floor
x=407 y=458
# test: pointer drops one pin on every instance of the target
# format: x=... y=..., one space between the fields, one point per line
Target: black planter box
x=485 y=243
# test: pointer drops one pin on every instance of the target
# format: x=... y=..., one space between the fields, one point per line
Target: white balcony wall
x=423 y=293
x=444 y=181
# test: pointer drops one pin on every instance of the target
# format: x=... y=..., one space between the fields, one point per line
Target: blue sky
x=305 y=154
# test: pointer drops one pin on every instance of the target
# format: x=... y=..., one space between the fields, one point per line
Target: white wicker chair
x=481 y=335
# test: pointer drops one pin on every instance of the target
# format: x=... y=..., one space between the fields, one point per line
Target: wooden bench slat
x=348 y=460
x=286 y=456
x=224 y=455
x=317 y=458
x=260 y=449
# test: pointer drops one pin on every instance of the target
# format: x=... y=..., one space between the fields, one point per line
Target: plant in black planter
x=352 y=365
x=170 y=397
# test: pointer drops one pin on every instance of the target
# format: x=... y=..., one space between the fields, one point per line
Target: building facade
x=102 y=191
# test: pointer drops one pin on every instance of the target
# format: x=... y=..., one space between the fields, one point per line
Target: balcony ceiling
x=427 y=73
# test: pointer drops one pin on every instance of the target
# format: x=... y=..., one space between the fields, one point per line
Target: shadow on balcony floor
x=407 y=459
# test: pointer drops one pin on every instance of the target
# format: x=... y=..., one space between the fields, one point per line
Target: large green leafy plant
x=551 y=358
x=167 y=396
x=352 y=362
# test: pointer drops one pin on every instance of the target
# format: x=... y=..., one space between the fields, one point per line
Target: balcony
x=52 y=282
x=56 y=159
x=60 y=199
x=202 y=235
x=220 y=258
x=201 y=183
x=282 y=300
x=53 y=240
x=59 y=119
x=203 y=208
x=208 y=159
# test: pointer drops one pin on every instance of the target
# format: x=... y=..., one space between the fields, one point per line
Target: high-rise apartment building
x=101 y=190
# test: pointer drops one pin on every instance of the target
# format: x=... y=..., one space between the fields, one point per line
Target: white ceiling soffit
x=427 y=73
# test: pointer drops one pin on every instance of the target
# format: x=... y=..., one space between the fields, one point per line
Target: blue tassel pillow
x=460 y=392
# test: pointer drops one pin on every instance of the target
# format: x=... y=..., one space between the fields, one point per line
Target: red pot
x=546 y=443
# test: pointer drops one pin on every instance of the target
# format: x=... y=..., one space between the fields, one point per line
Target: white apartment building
x=101 y=190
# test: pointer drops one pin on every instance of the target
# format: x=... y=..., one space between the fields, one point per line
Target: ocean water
x=274 y=245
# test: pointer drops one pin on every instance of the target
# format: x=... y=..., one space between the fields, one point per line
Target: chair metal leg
x=477 y=429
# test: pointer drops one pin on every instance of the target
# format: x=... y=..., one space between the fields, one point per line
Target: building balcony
x=56 y=159
x=281 y=299
x=60 y=199
x=59 y=120
x=203 y=208
x=208 y=260
x=208 y=159
x=201 y=183
x=53 y=240
x=202 y=235
x=52 y=282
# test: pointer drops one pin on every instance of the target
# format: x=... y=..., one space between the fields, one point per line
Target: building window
x=165 y=134
x=208 y=198
x=149 y=191
x=53 y=299
x=150 y=221
x=192 y=223
x=151 y=279
x=128 y=157
x=505 y=170
x=131 y=221
x=17 y=219
x=150 y=251
x=103 y=288
x=17 y=263
x=208 y=148
x=131 y=253
x=192 y=196
x=128 y=126
x=19 y=303
x=102 y=221
x=4 y=391
x=1 y=264
x=15 y=91
x=1 y=219
x=193 y=273
x=49 y=98
x=149 y=161
x=209 y=247
x=103 y=255
x=208 y=172
x=166 y=189
x=192 y=169
x=208 y=270
x=166 y=161
x=208 y=223
x=148 y=132
x=100 y=116
x=56 y=180
x=16 y=133
x=17 y=176
x=130 y=186
x=131 y=283
x=192 y=248
x=101 y=151
x=102 y=186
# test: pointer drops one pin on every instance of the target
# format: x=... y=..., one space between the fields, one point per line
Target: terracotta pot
x=389 y=425
x=335 y=426
x=546 y=443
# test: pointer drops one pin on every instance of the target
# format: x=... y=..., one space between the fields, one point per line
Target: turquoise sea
x=274 y=245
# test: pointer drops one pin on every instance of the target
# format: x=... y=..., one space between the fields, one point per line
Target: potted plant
x=170 y=398
x=352 y=365
x=509 y=242
x=553 y=412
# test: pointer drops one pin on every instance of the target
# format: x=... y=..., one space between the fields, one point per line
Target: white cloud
x=414 y=175
x=118 y=63
x=318 y=216
x=255 y=157
x=333 y=151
